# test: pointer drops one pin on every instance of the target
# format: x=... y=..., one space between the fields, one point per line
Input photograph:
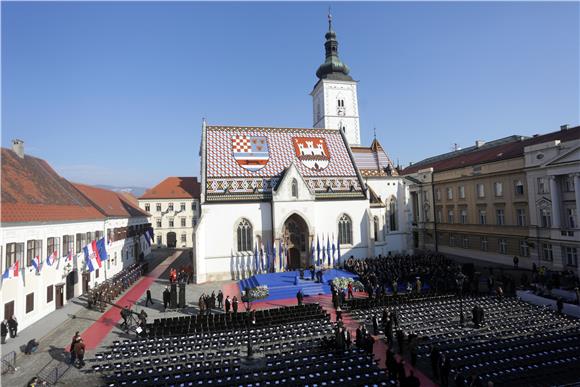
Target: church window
x=244 y=235
x=376 y=227
x=294 y=188
x=393 y=214
x=345 y=230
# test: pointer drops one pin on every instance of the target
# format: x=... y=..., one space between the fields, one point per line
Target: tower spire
x=332 y=68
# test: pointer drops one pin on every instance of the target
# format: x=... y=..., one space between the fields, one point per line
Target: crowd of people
x=383 y=274
x=9 y=326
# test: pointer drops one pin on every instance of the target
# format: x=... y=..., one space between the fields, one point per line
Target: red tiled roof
x=497 y=153
x=128 y=196
x=174 y=188
x=33 y=192
x=111 y=204
x=372 y=161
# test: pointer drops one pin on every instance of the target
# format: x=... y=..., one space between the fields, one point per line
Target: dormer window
x=294 y=188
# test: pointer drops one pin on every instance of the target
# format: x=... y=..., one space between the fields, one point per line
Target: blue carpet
x=281 y=285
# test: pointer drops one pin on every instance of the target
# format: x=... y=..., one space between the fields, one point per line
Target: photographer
x=125 y=313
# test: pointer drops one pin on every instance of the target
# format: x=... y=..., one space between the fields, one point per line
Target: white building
x=553 y=176
x=43 y=213
x=174 y=208
x=297 y=188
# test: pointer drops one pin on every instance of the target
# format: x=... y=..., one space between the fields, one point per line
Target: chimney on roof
x=564 y=127
x=18 y=147
x=479 y=143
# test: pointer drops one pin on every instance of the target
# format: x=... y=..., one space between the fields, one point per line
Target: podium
x=182 y=295
x=173 y=297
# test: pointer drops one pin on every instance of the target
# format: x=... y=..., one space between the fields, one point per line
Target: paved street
x=55 y=331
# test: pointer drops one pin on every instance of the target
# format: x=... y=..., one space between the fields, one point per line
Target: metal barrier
x=9 y=362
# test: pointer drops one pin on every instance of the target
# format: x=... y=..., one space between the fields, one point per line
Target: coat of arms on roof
x=312 y=152
x=250 y=152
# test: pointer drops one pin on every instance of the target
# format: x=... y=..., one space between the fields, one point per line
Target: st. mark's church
x=285 y=198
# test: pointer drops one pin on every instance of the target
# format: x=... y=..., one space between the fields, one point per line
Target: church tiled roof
x=248 y=162
x=373 y=161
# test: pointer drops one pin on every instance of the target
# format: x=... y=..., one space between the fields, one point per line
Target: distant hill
x=136 y=191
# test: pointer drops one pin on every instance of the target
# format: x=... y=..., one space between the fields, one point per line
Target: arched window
x=345 y=230
x=393 y=214
x=294 y=188
x=244 y=235
x=376 y=227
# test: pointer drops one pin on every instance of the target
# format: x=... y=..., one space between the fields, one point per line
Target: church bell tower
x=334 y=98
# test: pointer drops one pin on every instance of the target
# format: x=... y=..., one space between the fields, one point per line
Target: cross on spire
x=329 y=19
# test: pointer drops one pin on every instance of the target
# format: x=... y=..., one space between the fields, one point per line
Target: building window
x=98 y=235
x=294 y=188
x=89 y=237
x=500 y=216
x=543 y=187
x=482 y=217
x=463 y=216
x=439 y=215
x=547 y=254
x=519 y=187
x=376 y=228
x=244 y=235
x=393 y=214
x=170 y=207
x=345 y=230
x=53 y=246
x=465 y=242
x=545 y=218
x=502 y=246
x=194 y=206
x=461 y=192
x=147 y=207
x=159 y=240
x=14 y=253
x=49 y=293
x=452 y=240
x=33 y=249
x=571 y=255
x=480 y=190
x=450 y=216
x=158 y=222
x=182 y=206
x=571 y=217
x=449 y=193
x=183 y=238
x=183 y=221
x=524 y=249
x=521 y=216
x=483 y=243
x=158 y=207
x=97 y=273
x=569 y=183
x=438 y=194
x=170 y=222
x=498 y=188
x=68 y=244
x=29 y=302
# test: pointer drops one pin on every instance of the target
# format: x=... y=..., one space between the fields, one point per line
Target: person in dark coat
x=220 y=299
x=388 y=323
x=166 y=297
x=375 y=325
x=347 y=338
x=13 y=326
x=79 y=349
x=560 y=305
x=235 y=304
x=4 y=331
x=228 y=303
x=74 y=340
x=434 y=357
x=149 y=299
x=299 y=297
x=358 y=338
x=31 y=347
x=400 y=340
x=312 y=272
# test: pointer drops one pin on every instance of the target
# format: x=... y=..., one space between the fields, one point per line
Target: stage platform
x=282 y=285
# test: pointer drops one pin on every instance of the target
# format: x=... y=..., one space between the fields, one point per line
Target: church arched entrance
x=295 y=235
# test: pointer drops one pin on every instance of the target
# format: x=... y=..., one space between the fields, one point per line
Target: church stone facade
x=295 y=189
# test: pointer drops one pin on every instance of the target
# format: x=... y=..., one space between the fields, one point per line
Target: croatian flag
x=69 y=256
x=96 y=252
x=262 y=251
x=333 y=251
x=147 y=239
x=11 y=271
x=274 y=256
x=312 y=251
x=102 y=250
x=151 y=233
x=51 y=258
x=317 y=251
x=323 y=251
x=328 y=250
x=36 y=263
x=280 y=253
x=90 y=258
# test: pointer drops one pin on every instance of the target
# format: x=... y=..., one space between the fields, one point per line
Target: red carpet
x=96 y=333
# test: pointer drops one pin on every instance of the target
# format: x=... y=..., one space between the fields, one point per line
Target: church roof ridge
x=266 y=128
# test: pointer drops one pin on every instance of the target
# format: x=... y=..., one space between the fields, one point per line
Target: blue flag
x=333 y=251
x=280 y=253
x=256 y=257
x=102 y=250
x=312 y=249
x=274 y=256
x=338 y=251
x=323 y=251
x=328 y=251
x=317 y=250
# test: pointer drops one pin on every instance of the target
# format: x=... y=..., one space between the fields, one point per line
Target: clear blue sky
x=114 y=93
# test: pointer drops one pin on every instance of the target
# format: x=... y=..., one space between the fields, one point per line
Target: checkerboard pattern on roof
x=221 y=163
